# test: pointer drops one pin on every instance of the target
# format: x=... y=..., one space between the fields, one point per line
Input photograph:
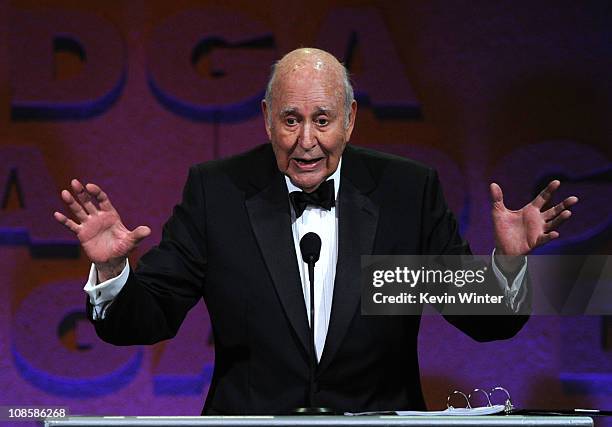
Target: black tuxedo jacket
x=230 y=242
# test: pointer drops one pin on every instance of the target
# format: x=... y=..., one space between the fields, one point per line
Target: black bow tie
x=324 y=196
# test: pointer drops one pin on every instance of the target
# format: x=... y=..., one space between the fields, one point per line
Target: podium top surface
x=320 y=421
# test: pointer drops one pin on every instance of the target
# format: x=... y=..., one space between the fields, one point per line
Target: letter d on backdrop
x=36 y=37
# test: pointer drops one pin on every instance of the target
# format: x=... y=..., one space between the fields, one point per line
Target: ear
x=264 y=110
x=349 y=129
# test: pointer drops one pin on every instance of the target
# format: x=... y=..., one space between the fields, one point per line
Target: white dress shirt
x=324 y=223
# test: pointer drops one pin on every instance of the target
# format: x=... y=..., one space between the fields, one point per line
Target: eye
x=291 y=121
x=322 y=121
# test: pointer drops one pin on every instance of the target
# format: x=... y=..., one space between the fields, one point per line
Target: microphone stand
x=311 y=259
x=313 y=359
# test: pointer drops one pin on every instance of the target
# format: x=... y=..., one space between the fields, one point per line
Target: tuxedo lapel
x=270 y=218
x=267 y=204
x=358 y=220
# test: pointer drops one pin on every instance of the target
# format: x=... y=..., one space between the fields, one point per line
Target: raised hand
x=104 y=238
x=519 y=232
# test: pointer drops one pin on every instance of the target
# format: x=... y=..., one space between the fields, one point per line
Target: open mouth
x=307 y=164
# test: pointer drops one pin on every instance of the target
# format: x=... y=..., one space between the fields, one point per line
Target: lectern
x=324 y=421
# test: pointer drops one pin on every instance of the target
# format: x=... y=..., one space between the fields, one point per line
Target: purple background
x=128 y=94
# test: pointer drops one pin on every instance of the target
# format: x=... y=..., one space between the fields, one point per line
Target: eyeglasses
x=491 y=396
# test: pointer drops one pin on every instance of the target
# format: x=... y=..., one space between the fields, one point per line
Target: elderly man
x=234 y=241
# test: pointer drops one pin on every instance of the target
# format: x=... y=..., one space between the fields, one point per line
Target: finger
x=497 y=196
x=103 y=200
x=547 y=237
x=545 y=195
x=140 y=233
x=63 y=219
x=556 y=222
x=570 y=201
x=556 y=210
x=74 y=206
x=83 y=197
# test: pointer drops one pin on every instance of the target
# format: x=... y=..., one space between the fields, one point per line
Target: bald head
x=309 y=114
x=316 y=63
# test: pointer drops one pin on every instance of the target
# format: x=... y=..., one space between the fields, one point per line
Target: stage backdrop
x=129 y=94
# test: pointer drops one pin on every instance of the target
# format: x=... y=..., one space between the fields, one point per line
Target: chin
x=307 y=184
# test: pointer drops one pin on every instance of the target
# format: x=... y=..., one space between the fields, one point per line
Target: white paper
x=483 y=410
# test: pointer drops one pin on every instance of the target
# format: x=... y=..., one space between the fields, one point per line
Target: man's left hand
x=519 y=232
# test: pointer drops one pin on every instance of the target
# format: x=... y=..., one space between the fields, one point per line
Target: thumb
x=140 y=233
x=497 y=196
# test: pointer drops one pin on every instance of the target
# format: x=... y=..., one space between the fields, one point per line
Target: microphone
x=310 y=246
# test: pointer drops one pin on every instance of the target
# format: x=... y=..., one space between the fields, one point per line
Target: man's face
x=306 y=127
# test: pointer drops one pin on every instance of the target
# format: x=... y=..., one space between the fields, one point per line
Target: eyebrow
x=294 y=110
x=324 y=110
x=289 y=110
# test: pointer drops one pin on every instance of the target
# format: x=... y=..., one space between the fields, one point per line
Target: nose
x=307 y=138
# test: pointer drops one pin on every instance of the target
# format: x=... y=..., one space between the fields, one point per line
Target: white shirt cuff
x=513 y=290
x=102 y=295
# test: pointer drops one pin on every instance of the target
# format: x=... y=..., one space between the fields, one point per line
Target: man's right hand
x=104 y=238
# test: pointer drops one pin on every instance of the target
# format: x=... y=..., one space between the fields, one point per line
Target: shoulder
x=256 y=158
x=251 y=169
x=384 y=167
x=378 y=160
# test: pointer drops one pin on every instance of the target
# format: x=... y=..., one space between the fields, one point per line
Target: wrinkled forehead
x=314 y=80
